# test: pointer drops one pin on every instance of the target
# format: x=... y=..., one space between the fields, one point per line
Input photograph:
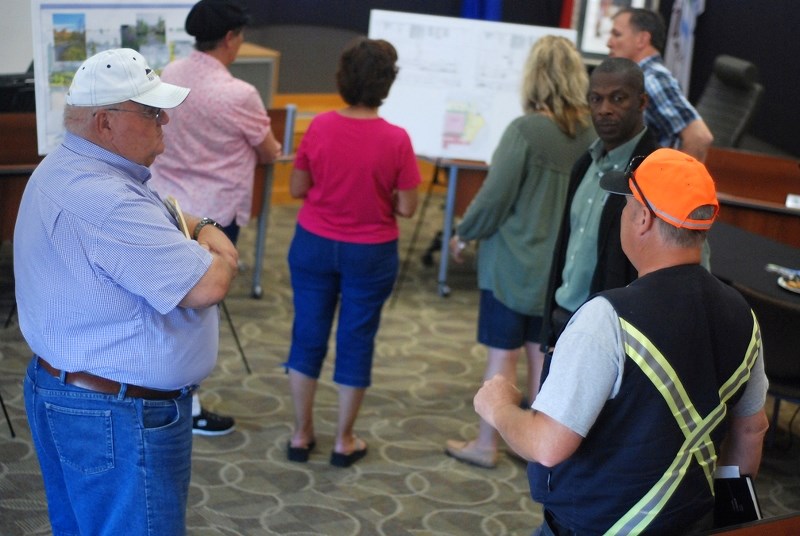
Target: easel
x=456 y=201
x=2 y=403
x=415 y=234
x=282 y=124
x=18 y=159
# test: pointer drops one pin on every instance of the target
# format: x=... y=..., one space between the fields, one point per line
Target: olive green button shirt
x=517 y=212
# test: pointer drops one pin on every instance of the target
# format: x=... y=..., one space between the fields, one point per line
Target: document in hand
x=735 y=501
x=175 y=210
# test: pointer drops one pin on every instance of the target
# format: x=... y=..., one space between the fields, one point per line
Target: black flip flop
x=299 y=454
x=346 y=460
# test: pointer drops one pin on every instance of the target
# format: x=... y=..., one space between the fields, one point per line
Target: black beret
x=210 y=20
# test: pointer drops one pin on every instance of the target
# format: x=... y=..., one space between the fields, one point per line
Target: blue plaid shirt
x=100 y=268
x=668 y=112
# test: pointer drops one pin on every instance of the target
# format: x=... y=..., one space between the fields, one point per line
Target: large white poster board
x=459 y=81
x=66 y=32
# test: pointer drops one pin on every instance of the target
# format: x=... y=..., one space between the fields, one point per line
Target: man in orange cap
x=651 y=385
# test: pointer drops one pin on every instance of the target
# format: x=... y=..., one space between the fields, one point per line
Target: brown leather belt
x=91 y=382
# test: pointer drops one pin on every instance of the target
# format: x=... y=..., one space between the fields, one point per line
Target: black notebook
x=735 y=501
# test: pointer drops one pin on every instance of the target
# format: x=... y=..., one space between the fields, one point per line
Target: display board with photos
x=66 y=32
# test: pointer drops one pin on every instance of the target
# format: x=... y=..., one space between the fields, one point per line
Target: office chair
x=779 y=321
x=730 y=99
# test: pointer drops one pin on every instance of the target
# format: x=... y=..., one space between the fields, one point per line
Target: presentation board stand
x=454 y=167
x=459 y=81
x=458 y=88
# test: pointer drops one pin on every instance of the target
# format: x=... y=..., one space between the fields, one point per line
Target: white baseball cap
x=118 y=75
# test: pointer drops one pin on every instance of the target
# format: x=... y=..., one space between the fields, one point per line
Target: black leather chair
x=730 y=99
x=780 y=334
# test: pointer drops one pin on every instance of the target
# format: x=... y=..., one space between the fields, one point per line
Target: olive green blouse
x=517 y=211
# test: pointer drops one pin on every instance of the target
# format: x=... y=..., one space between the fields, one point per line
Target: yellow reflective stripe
x=658 y=369
x=639 y=517
x=742 y=373
x=697 y=431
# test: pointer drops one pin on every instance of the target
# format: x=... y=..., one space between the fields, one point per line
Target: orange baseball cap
x=670 y=183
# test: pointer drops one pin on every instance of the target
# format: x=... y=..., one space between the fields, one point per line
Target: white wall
x=16 y=40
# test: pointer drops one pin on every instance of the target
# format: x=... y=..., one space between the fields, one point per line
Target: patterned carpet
x=427 y=369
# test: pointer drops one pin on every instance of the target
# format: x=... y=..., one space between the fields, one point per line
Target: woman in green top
x=516 y=214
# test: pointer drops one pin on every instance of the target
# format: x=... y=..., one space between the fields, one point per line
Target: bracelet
x=203 y=223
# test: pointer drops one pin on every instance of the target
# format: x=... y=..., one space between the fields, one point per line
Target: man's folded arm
x=215 y=283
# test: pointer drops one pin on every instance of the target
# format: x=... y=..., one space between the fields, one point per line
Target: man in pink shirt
x=216 y=140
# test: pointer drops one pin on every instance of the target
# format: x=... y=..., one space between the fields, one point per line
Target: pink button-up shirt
x=209 y=159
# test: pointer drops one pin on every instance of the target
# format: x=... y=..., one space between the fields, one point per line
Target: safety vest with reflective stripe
x=696 y=428
x=646 y=464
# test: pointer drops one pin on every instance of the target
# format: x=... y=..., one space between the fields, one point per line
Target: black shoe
x=211 y=424
x=346 y=460
x=299 y=454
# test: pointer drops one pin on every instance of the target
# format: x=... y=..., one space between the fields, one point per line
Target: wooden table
x=752 y=190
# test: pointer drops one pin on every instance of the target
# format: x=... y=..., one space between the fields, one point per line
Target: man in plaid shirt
x=640 y=35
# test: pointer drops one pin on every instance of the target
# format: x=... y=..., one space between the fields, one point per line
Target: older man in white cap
x=118 y=306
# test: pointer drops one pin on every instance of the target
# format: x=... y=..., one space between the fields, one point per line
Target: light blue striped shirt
x=100 y=268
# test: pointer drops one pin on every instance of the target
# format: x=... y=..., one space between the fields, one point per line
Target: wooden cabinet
x=752 y=190
x=18 y=159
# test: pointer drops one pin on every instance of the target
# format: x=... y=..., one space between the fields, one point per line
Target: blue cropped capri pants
x=356 y=277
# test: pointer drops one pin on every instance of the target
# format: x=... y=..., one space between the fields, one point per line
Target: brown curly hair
x=367 y=69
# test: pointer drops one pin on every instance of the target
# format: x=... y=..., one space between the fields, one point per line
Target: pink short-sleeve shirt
x=209 y=158
x=355 y=165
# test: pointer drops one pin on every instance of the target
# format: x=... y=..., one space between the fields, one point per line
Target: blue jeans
x=111 y=464
x=356 y=277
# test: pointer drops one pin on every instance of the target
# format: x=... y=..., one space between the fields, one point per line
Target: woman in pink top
x=356 y=173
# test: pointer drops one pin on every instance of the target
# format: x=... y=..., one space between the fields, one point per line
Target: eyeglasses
x=150 y=113
x=633 y=165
